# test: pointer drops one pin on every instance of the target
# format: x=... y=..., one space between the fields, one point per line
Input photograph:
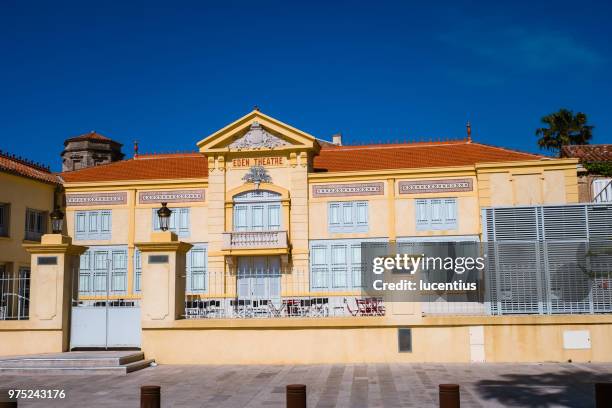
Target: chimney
x=468 y=128
x=337 y=139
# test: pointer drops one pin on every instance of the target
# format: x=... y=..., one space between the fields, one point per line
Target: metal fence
x=15 y=295
x=549 y=259
x=270 y=293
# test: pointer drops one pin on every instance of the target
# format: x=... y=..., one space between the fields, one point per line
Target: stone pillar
x=54 y=265
x=163 y=278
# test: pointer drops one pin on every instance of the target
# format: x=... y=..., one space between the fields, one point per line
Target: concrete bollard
x=603 y=395
x=150 y=396
x=296 y=396
x=449 y=396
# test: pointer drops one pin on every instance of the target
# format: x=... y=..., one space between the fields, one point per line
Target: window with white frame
x=35 y=224
x=179 y=221
x=5 y=211
x=93 y=225
x=335 y=265
x=103 y=270
x=600 y=185
x=436 y=214
x=197 y=267
x=257 y=210
x=347 y=216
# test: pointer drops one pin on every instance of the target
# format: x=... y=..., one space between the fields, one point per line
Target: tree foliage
x=564 y=128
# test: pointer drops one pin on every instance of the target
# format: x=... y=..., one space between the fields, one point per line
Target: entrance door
x=102 y=314
x=259 y=278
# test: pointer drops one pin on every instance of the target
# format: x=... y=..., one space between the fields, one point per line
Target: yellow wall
x=25 y=341
x=21 y=193
x=443 y=339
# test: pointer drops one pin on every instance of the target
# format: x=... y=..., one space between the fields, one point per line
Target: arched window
x=257 y=210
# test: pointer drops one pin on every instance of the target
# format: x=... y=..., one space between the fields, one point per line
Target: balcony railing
x=254 y=239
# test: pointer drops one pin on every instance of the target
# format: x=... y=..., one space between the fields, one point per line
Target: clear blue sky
x=170 y=73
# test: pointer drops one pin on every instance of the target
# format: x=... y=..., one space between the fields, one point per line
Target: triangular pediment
x=257 y=131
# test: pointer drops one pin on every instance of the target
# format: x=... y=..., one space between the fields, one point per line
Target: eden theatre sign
x=435 y=186
x=171 y=196
x=342 y=190
x=258 y=161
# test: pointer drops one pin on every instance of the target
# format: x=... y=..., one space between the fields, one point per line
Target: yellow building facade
x=268 y=221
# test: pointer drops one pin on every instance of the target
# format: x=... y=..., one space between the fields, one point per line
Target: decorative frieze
x=171 y=196
x=345 y=190
x=435 y=186
x=84 y=199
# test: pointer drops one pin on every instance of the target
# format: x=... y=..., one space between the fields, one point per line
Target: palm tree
x=564 y=128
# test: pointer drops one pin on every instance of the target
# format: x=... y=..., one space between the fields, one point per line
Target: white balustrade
x=254 y=239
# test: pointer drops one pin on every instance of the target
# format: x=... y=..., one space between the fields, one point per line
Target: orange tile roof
x=331 y=158
x=24 y=168
x=413 y=155
x=144 y=167
x=588 y=153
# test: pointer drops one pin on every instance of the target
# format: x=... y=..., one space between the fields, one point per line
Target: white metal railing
x=279 y=293
x=14 y=296
x=605 y=195
x=254 y=239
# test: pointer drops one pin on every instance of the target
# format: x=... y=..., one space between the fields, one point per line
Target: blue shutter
x=319 y=267
x=100 y=271
x=137 y=270
x=80 y=225
x=118 y=271
x=348 y=218
x=240 y=217
x=257 y=217
x=450 y=213
x=155 y=221
x=274 y=217
x=339 y=266
x=422 y=214
x=196 y=269
x=183 y=227
x=105 y=224
x=85 y=280
x=333 y=217
x=355 y=263
x=93 y=225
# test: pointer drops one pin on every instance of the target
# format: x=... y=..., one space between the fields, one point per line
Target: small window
x=347 y=216
x=603 y=189
x=436 y=214
x=4 y=219
x=93 y=225
x=404 y=340
x=35 y=224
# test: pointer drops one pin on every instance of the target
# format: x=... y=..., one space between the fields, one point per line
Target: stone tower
x=88 y=150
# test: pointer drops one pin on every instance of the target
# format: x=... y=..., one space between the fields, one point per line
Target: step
x=74 y=359
x=111 y=370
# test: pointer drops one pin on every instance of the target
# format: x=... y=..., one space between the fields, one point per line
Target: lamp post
x=164 y=214
x=57 y=220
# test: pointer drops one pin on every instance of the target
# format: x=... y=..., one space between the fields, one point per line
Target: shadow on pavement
x=571 y=388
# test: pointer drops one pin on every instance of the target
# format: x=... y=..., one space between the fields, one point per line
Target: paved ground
x=351 y=386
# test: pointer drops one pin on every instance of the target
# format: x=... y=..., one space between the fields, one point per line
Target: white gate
x=102 y=317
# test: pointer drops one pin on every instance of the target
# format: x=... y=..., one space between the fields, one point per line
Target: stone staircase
x=76 y=362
